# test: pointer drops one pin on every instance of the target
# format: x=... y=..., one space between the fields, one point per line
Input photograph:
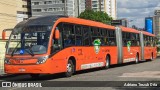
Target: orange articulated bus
x=56 y=44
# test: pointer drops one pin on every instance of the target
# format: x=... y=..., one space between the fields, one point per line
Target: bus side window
x=78 y=35
x=68 y=35
x=86 y=36
x=112 y=38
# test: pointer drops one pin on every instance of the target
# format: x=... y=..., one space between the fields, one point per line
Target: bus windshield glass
x=31 y=40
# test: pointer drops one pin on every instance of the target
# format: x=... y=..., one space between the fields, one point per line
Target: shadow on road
x=26 y=77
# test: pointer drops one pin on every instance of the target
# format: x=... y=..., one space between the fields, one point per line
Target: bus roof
x=85 y=22
x=42 y=20
x=147 y=33
x=126 y=29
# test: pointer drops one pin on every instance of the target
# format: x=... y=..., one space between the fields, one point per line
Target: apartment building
x=12 y=12
x=156 y=26
x=57 y=7
x=108 y=6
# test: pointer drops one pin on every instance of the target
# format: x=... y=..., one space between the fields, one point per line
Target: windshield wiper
x=15 y=49
x=30 y=51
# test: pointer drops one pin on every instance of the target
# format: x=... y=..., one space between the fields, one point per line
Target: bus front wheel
x=137 y=59
x=70 y=69
x=107 y=62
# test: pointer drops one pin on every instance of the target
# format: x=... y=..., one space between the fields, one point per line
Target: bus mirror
x=57 y=35
x=3 y=35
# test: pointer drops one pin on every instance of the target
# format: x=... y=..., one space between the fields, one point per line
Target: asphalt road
x=144 y=71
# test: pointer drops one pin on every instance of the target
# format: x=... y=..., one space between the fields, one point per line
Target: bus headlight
x=42 y=59
x=6 y=61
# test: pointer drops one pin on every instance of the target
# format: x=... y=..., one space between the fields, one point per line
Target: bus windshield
x=32 y=39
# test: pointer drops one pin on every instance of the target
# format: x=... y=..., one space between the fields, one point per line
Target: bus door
x=147 y=48
x=97 y=43
x=126 y=47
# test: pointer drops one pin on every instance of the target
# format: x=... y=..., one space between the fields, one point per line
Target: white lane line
x=144 y=74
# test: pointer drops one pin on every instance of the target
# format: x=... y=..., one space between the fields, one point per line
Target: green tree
x=98 y=16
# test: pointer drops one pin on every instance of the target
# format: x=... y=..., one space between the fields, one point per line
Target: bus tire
x=151 y=57
x=137 y=59
x=34 y=76
x=107 y=64
x=70 y=69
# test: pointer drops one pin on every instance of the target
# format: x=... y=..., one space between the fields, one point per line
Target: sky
x=136 y=10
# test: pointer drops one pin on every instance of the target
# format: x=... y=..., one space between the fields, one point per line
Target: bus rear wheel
x=70 y=69
x=151 y=57
x=137 y=59
x=107 y=65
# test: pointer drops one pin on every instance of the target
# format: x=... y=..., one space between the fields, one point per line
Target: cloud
x=137 y=10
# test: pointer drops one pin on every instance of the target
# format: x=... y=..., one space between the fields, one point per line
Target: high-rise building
x=12 y=12
x=111 y=8
x=88 y=4
x=75 y=7
x=156 y=24
x=57 y=7
x=108 y=6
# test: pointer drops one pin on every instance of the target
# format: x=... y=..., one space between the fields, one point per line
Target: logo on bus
x=97 y=43
x=21 y=51
x=129 y=45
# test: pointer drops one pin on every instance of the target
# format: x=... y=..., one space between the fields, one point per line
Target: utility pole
x=99 y=5
x=65 y=9
x=78 y=6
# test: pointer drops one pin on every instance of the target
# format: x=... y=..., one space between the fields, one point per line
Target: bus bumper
x=18 y=69
x=46 y=68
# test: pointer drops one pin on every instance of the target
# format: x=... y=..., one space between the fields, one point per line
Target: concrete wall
x=2 y=55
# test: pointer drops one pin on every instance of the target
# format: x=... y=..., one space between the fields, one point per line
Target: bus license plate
x=22 y=70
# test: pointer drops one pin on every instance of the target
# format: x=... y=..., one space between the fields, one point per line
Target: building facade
x=111 y=8
x=12 y=12
x=75 y=7
x=156 y=25
x=57 y=7
x=108 y=6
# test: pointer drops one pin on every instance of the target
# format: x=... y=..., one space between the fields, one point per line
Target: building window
x=25 y=18
x=36 y=10
x=47 y=2
x=22 y=12
x=24 y=6
x=35 y=3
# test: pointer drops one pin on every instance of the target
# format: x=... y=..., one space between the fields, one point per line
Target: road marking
x=144 y=74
